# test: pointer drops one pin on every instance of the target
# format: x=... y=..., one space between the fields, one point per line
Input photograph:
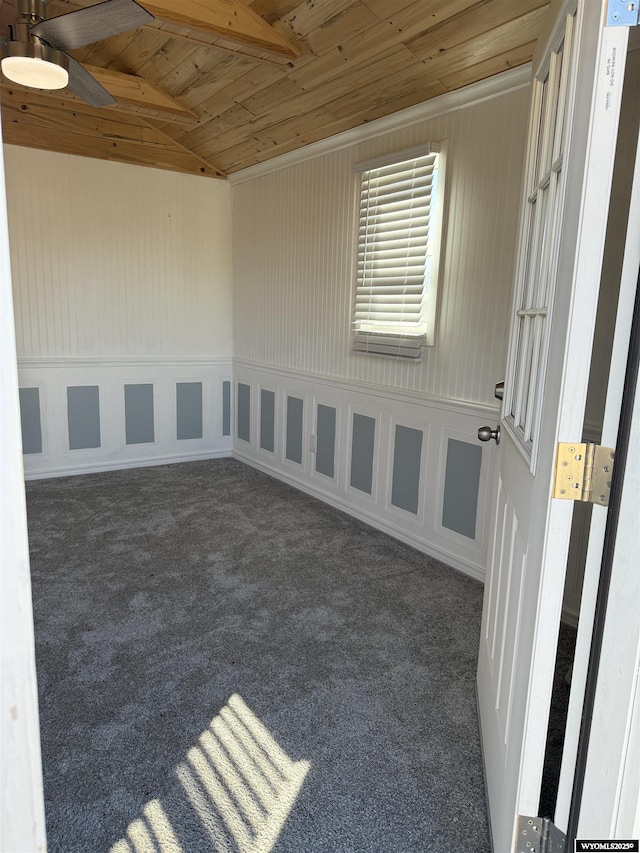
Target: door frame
x=602 y=796
x=22 y=824
x=599 y=788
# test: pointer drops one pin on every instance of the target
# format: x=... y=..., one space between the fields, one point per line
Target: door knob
x=485 y=433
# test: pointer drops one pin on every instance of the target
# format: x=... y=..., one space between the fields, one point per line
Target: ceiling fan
x=35 y=53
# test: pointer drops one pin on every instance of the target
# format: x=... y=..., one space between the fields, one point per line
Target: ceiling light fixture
x=36 y=65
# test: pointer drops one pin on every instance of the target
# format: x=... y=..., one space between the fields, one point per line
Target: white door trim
x=606 y=736
x=22 y=825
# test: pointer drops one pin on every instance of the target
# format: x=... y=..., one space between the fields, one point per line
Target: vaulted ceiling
x=213 y=86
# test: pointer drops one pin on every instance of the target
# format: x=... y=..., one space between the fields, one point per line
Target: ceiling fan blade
x=85 y=26
x=87 y=87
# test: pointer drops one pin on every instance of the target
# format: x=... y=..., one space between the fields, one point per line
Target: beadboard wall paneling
x=115 y=260
x=293 y=257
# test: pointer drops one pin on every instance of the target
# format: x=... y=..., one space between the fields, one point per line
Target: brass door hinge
x=583 y=473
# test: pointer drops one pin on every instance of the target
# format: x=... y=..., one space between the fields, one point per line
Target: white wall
x=109 y=259
x=293 y=260
x=294 y=229
x=120 y=275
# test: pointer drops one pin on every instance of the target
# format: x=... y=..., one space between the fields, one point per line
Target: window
x=539 y=248
x=399 y=231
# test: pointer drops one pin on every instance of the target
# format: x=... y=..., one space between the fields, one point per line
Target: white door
x=577 y=82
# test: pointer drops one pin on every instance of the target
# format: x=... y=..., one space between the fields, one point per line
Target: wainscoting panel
x=396 y=459
x=407 y=455
x=325 y=440
x=244 y=411
x=82 y=415
x=267 y=419
x=31 y=420
x=461 y=486
x=363 y=438
x=138 y=413
x=226 y=407
x=188 y=410
x=295 y=412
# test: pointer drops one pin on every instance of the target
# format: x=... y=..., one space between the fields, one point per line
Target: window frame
x=538 y=246
x=392 y=344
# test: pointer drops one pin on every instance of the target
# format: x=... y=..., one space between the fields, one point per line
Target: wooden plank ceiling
x=213 y=86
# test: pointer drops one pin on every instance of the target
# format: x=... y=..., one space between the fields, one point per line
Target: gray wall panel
x=30 y=419
x=226 y=407
x=362 y=447
x=461 y=487
x=189 y=410
x=83 y=412
x=294 y=429
x=267 y=419
x=138 y=413
x=406 y=468
x=326 y=440
x=244 y=411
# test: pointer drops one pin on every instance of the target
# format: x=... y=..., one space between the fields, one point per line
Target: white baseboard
x=98 y=467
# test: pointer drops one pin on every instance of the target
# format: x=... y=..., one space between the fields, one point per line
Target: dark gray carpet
x=161 y=593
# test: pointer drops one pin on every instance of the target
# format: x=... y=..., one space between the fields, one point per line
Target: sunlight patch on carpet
x=238 y=780
x=152 y=833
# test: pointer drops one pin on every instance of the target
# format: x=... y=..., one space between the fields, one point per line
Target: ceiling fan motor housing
x=30 y=13
x=25 y=55
x=36 y=49
x=25 y=44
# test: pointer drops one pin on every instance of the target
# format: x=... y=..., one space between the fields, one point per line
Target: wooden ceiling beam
x=45 y=122
x=231 y=27
x=228 y=19
x=245 y=51
x=134 y=95
x=129 y=89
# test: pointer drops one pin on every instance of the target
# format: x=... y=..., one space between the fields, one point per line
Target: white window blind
x=398 y=243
